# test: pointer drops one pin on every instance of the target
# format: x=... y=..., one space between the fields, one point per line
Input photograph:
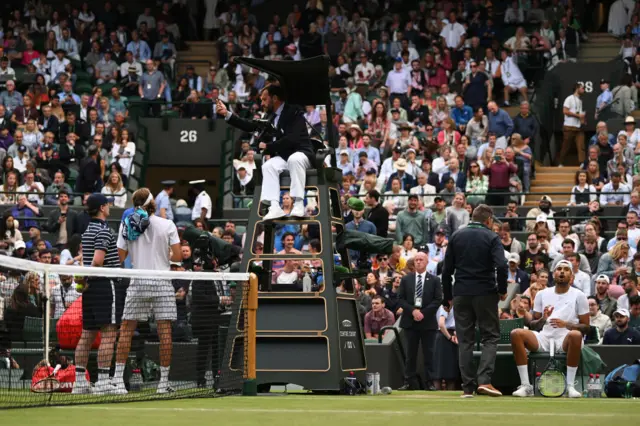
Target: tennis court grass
x=401 y=407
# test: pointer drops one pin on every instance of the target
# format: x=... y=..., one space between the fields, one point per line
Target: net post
x=250 y=387
x=47 y=316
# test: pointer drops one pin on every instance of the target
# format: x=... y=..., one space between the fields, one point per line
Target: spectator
x=396 y=193
x=457 y=215
x=525 y=124
x=25 y=212
x=597 y=318
x=583 y=192
x=35 y=190
x=614 y=193
x=621 y=334
x=500 y=124
x=377 y=318
x=411 y=221
x=424 y=190
x=10 y=98
x=114 y=189
x=630 y=286
x=512 y=78
x=498 y=173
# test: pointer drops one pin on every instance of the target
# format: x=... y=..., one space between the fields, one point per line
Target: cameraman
x=499 y=173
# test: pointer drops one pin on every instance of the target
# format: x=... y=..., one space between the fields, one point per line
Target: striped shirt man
x=98 y=236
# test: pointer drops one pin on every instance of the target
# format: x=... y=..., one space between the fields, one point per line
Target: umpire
x=476 y=257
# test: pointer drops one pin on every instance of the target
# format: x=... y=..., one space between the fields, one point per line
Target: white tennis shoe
x=524 y=391
x=573 y=393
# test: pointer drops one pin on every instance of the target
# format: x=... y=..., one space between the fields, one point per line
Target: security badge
x=418 y=303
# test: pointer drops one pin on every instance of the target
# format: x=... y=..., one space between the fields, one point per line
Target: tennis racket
x=552 y=383
x=47 y=385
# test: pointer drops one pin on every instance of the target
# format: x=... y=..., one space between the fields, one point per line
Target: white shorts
x=150 y=297
x=517 y=84
x=544 y=342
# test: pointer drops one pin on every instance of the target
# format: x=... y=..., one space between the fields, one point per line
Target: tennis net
x=72 y=334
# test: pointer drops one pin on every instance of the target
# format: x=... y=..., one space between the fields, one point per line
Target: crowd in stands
x=421 y=98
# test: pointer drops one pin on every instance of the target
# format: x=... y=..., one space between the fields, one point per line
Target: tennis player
x=561 y=314
x=153 y=243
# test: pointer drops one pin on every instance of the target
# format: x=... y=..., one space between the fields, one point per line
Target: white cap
x=603 y=277
x=181 y=203
x=513 y=257
x=19 y=245
x=344 y=151
x=623 y=312
x=196 y=182
x=541 y=218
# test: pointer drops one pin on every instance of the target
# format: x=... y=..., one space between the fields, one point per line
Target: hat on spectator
x=629 y=120
x=404 y=126
x=441 y=230
x=513 y=257
x=398 y=149
x=168 y=182
x=546 y=198
x=172 y=263
x=356 y=204
x=22 y=148
x=604 y=81
x=181 y=203
x=19 y=245
x=344 y=152
x=97 y=200
x=603 y=277
x=541 y=218
x=47 y=147
x=398 y=59
x=400 y=164
x=132 y=68
x=411 y=150
x=623 y=312
x=355 y=127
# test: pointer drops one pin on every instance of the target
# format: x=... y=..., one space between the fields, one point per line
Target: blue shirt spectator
x=25 y=213
x=10 y=98
x=500 y=122
x=461 y=113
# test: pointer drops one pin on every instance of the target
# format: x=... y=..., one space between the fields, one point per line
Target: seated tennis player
x=561 y=315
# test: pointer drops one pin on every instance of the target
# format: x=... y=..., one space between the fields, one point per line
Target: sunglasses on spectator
x=429 y=128
x=381 y=259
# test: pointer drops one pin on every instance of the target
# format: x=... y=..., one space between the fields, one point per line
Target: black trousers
x=428 y=340
x=483 y=311
x=206 y=330
x=498 y=199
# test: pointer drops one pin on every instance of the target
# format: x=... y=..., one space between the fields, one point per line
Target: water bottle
x=306 y=283
x=627 y=391
x=598 y=387
x=135 y=381
x=590 y=386
x=536 y=384
x=208 y=377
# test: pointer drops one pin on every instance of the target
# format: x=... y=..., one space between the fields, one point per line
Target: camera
x=207 y=250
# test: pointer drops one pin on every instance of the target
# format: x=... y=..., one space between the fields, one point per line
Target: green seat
x=106 y=88
x=507 y=326
x=83 y=87
x=32 y=330
x=170 y=113
x=82 y=75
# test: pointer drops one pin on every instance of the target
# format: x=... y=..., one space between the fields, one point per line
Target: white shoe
x=298 y=209
x=82 y=387
x=119 y=387
x=104 y=387
x=573 y=393
x=524 y=391
x=162 y=389
x=275 y=212
x=560 y=165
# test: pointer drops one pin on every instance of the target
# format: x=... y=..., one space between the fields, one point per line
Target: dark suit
x=53 y=125
x=419 y=331
x=292 y=134
x=461 y=180
x=325 y=131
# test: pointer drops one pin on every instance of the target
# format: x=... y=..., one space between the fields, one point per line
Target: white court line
x=423 y=398
x=328 y=411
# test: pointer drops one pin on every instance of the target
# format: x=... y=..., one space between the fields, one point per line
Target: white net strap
x=7 y=262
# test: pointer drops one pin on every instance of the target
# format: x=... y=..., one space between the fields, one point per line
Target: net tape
x=8 y=262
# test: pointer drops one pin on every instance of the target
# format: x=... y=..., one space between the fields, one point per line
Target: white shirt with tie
x=421 y=278
x=424 y=191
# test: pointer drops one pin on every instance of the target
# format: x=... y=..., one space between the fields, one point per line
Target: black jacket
x=53 y=226
x=292 y=133
x=89 y=179
x=476 y=256
x=379 y=216
x=53 y=125
x=431 y=300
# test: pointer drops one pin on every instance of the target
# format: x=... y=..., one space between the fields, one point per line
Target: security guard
x=202 y=205
x=163 y=202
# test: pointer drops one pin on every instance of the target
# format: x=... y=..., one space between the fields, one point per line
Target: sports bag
x=623 y=379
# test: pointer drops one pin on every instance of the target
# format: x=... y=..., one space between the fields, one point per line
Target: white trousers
x=297 y=164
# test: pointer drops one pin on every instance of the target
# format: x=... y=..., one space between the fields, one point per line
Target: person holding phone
x=499 y=172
